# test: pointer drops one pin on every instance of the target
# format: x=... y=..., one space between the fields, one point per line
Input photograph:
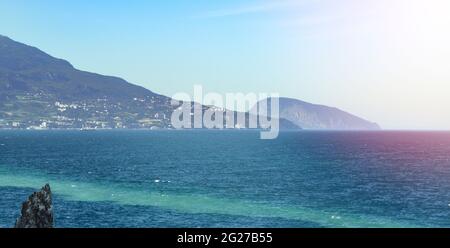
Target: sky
x=387 y=61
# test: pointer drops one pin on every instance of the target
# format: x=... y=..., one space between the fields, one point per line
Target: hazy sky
x=385 y=60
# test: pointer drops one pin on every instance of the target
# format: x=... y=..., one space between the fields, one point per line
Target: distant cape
x=319 y=117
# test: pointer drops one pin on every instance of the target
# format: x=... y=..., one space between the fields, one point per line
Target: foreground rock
x=37 y=211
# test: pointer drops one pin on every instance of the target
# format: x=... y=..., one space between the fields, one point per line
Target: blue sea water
x=230 y=178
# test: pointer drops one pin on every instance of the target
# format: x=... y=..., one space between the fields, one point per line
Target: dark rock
x=37 y=211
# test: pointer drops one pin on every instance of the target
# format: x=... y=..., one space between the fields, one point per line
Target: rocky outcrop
x=37 y=211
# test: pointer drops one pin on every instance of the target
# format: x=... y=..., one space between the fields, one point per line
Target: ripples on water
x=230 y=179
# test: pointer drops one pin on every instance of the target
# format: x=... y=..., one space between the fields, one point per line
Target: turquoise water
x=230 y=178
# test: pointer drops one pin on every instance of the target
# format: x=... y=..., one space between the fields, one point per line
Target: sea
x=230 y=178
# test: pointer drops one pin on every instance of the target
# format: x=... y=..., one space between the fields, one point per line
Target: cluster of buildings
x=85 y=116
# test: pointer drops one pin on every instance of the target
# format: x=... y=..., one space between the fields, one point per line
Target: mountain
x=28 y=69
x=38 y=90
x=319 y=117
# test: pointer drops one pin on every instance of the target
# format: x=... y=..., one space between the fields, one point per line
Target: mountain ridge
x=38 y=90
